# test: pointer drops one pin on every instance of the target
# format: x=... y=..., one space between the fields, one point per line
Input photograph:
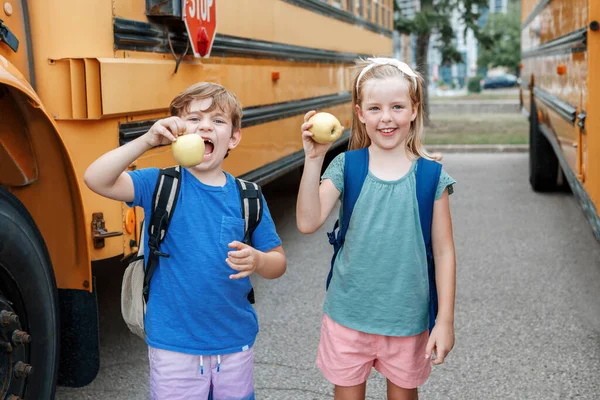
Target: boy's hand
x=243 y=259
x=440 y=342
x=312 y=149
x=165 y=131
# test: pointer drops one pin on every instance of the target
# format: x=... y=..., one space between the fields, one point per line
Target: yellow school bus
x=560 y=93
x=78 y=78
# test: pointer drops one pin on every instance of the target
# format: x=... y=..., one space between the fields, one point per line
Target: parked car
x=499 y=81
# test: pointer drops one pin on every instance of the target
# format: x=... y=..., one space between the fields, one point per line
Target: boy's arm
x=442 y=338
x=315 y=201
x=107 y=177
x=246 y=259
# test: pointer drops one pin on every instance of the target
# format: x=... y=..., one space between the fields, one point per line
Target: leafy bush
x=474 y=85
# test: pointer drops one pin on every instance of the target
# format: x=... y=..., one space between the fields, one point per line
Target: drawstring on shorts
x=202 y=364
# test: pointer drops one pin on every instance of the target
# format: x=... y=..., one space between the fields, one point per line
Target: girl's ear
x=234 y=140
x=415 y=109
x=360 y=114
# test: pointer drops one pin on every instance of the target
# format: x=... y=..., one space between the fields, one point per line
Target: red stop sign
x=200 y=18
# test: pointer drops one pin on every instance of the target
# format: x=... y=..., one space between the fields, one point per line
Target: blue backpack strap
x=356 y=167
x=428 y=176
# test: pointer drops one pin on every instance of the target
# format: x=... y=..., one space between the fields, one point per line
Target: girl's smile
x=387 y=131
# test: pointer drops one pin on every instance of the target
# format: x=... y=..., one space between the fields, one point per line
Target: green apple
x=188 y=150
x=325 y=128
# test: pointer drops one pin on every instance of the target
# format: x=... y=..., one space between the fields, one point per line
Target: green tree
x=435 y=17
x=500 y=40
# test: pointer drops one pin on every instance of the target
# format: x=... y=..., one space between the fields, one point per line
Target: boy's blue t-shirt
x=194 y=307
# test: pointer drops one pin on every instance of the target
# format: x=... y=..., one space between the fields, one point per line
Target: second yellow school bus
x=560 y=94
x=79 y=78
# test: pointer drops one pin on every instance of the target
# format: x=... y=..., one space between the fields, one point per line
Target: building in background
x=445 y=77
x=404 y=45
x=456 y=76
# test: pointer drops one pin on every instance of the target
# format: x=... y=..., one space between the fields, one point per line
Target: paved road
x=527 y=312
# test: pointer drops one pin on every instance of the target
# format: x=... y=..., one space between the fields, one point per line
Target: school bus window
x=369 y=5
x=358 y=8
x=343 y=4
x=388 y=16
x=377 y=10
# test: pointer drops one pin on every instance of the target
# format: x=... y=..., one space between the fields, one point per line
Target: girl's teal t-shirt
x=379 y=283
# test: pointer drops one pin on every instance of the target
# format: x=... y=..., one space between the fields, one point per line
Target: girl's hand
x=244 y=259
x=441 y=341
x=312 y=149
x=165 y=131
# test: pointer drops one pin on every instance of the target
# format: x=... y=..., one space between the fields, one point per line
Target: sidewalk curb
x=478 y=148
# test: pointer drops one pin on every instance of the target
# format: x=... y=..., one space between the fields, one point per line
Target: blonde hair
x=222 y=98
x=359 y=138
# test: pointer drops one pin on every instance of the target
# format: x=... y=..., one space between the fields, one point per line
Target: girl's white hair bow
x=377 y=61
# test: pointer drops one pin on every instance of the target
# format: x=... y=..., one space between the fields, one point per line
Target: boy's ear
x=234 y=140
x=360 y=114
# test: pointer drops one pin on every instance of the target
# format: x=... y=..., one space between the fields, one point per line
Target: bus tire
x=27 y=289
x=543 y=163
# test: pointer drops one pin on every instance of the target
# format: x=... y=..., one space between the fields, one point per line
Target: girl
x=376 y=310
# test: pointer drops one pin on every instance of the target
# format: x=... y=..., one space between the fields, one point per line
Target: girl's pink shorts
x=345 y=356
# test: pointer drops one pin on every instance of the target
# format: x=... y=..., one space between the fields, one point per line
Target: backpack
x=356 y=167
x=135 y=288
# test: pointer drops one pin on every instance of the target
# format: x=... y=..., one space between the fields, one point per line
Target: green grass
x=477 y=129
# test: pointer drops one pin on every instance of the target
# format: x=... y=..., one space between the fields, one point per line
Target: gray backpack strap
x=164 y=201
x=251 y=198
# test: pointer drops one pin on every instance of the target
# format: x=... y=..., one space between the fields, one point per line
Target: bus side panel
x=55 y=203
x=592 y=120
x=53 y=198
x=559 y=75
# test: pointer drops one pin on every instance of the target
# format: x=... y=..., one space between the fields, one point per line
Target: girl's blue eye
x=398 y=107
x=374 y=108
x=193 y=119
x=219 y=121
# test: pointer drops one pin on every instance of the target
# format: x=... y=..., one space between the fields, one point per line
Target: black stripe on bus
x=269 y=172
x=143 y=36
x=534 y=13
x=252 y=115
x=323 y=8
x=27 y=27
x=573 y=42
x=567 y=111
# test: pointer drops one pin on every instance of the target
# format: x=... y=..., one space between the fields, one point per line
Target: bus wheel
x=543 y=163
x=29 y=322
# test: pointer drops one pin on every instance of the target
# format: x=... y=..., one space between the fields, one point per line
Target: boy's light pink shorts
x=345 y=356
x=178 y=376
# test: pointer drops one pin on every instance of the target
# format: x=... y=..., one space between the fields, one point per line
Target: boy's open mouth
x=208 y=146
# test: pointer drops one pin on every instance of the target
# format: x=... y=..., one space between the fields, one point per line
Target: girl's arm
x=315 y=201
x=442 y=338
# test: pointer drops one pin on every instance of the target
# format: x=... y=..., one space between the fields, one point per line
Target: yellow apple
x=325 y=128
x=188 y=150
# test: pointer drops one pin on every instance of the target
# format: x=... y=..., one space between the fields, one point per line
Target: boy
x=200 y=326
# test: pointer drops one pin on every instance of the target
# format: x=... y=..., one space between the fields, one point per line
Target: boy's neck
x=212 y=177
